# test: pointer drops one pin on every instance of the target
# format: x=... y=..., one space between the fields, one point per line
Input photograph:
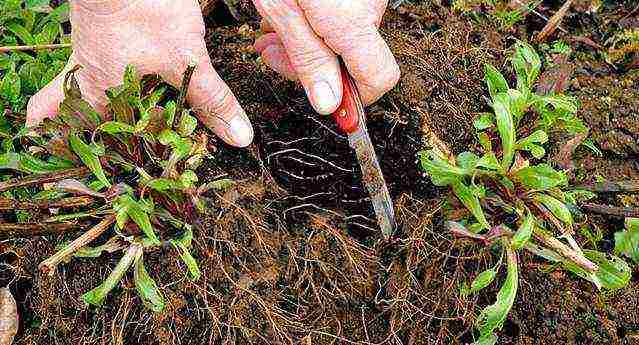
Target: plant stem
x=7 y=204
x=97 y=295
x=44 y=178
x=10 y=230
x=625 y=212
x=186 y=80
x=34 y=47
x=565 y=251
x=50 y=264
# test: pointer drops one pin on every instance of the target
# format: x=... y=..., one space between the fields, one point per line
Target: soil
x=293 y=255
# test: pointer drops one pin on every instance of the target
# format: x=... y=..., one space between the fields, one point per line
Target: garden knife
x=351 y=120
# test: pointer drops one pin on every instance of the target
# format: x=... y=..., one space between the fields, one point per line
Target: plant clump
x=133 y=170
x=514 y=198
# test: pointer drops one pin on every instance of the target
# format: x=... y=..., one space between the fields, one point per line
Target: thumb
x=217 y=107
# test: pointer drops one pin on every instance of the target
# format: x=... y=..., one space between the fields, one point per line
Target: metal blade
x=373 y=179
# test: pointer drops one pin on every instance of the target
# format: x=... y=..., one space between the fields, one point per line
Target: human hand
x=157 y=37
x=304 y=37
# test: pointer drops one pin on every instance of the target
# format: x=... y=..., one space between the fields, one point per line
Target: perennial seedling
x=517 y=201
x=135 y=173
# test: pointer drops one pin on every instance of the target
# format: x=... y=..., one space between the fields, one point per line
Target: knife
x=351 y=120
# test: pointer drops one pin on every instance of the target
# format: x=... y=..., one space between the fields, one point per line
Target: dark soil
x=292 y=255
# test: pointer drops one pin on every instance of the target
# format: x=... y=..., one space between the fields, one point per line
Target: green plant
x=135 y=173
x=627 y=242
x=500 y=11
x=516 y=200
x=30 y=23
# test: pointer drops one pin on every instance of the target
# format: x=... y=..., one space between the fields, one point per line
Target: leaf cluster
x=142 y=159
x=512 y=194
x=28 y=22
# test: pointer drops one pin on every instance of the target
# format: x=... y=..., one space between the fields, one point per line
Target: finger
x=215 y=104
x=45 y=103
x=276 y=58
x=274 y=55
x=379 y=7
x=366 y=54
x=316 y=66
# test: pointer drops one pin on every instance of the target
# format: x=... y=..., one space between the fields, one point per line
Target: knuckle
x=220 y=102
x=309 y=61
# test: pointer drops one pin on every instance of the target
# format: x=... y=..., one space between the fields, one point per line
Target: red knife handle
x=348 y=113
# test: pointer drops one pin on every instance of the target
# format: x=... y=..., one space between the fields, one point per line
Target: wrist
x=102 y=7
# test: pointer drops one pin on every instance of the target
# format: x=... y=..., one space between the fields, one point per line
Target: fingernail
x=240 y=131
x=323 y=98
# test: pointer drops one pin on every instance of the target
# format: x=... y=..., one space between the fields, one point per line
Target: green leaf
x=578 y=196
x=37 y=5
x=182 y=245
x=483 y=280
x=484 y=141
x=97 y=295
x=493 y=316
x=523 y=234
x=11 y=86
x=495 y=80
x=169 y=113
x=146 y=286
x=114 y=127
x=538 y=137
x=59 y=15
x=34 y=165
x=562 y=102
x=467 y=160
x=558 y=208
x=88 y=157
x=541 y=177
x=137 y=211
x=527 y=65
x=489 y=161
x=613 y=273
x=181 y=145
x=484 y=121
x=188 y=178
x=21 y=32
x=471 y=201
x=31 y=74
x=517 y=103
x=627 y=242
x=506 y=128
x=187 y=125
x=441 y=172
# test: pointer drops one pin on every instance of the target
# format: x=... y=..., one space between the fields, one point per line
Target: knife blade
x=351 y=119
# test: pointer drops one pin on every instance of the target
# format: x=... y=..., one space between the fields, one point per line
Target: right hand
x=304 y=38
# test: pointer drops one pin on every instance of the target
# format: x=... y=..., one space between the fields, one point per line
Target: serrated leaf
x=88 y=157
x=558 y=208
x=541 y=177
x=627 y=242
x=471 y=201
x=146 y=286
x=483 y=280
x=493 y=316
x=506 y=128
x=495 y=80
x=523 y=234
